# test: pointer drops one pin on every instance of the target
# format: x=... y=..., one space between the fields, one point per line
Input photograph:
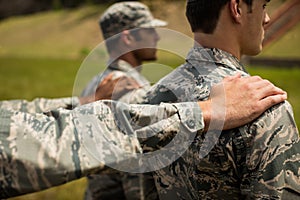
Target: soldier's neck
x=219 y=41
x=131 y=59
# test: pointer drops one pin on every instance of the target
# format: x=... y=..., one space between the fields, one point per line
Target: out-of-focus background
x=43 y=44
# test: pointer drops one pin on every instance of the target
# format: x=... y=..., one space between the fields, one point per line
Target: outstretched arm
x=40 y=105
x=39 y=151
x=234 y=102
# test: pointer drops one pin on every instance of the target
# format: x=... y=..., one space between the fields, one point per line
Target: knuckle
x=272 y=101
x=257 y=78
x=247 y=87
x=256 y=110
x=267 y=82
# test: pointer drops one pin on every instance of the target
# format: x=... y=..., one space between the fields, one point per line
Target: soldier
x=44 y=144
x=259 y=160
x=130 y=37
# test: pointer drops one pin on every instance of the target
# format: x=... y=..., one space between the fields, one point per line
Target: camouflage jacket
x=45 y=146
x=120 y=68
x=260 y=160
x=118 y=185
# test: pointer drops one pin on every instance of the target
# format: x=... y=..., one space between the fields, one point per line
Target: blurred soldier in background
x=130 y=37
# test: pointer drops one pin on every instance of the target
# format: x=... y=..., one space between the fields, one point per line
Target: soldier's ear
x=126 y=37
x=235 y=10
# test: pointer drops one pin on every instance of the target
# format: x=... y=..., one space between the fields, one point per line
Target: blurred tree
x=71 y=3
x=21 y=7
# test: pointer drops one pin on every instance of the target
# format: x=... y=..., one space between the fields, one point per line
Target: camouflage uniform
x=126 y=16
x=260 y=160
x=40 y=105
x=40 y=150
x=117 y=18
x=119 y=185
x=121 y=68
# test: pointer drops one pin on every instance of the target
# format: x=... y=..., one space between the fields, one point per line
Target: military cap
x=125 y=16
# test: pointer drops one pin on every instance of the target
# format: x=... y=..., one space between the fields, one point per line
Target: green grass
x=70 y=191
x=285 y=78
x=56 y=34
x=29 y=78
x=286 y=47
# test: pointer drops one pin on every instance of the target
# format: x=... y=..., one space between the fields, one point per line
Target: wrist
x=206 y=112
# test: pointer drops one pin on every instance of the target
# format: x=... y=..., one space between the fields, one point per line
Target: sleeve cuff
x=190 y=115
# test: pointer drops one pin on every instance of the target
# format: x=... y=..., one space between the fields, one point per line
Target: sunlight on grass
x=70 y=191
x=30 y=78
x=286 y=47
x=60 y=34
x=285 y=78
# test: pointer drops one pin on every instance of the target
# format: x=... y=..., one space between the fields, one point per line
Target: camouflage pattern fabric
x=42 y=150
x=120 y=185
x=40 y=105
x=125 y=16
x=260 y=160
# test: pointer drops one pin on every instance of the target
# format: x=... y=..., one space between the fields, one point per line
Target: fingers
x=269 y=90
x=272 y=100
x=263 y=88
x=231 y=78
x=122 y=86
x=108 y=78
x=246 y=98
x=108 y=82
x=106 y=87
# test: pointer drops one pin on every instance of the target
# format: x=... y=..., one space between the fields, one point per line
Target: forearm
x=184 y=119
x=39 y=151
x=135 y=96
x=39 y=105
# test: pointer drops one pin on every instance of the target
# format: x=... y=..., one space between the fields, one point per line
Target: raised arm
x=39 y=151
x=40 y=105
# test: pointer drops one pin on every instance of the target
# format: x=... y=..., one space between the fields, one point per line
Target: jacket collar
x=213 y=56
x=120 y=65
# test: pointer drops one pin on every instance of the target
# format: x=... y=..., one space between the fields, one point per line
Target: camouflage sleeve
x=38 y=151
x=156 y=131
x=273 y=160
x=135 y=96
x=40 y=105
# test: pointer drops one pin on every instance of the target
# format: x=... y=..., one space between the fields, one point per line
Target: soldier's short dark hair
x=204 y=14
